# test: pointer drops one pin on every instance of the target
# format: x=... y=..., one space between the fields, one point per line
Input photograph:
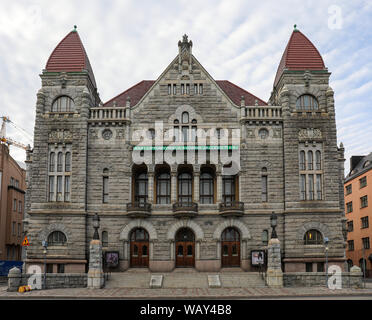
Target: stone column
x=196 y=169
x=95 y=273
x=173 y=184
x=219 y=183
x=274 y=274
x=14 y=279
x=150 y=177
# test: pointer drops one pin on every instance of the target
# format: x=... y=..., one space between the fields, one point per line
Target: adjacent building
x=12 y=206
x=185 y=170
x=358 y=208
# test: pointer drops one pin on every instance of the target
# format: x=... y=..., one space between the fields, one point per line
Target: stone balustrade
x=109 y=114
x=259 y=113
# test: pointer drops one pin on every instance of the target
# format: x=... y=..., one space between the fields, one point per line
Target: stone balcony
x=109 y=115
x=232 y=209
x=185 y=209
x=271 y=113
x=138 y=209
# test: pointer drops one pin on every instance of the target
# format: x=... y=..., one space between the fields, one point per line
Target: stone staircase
x=185 y=278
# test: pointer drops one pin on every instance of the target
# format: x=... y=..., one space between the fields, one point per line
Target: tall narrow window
x=200 y=88
x=318 y=160
x=104 y=239
x=319 y=187
x=105 y=197
x=169 y=89
x=302 y=160
x=182 y=89
x=206 y=188
x=67 y=162
x=264 y=188
x=228 y=189
x=174 y=89
x=311 y=187
x=141 y=181
x=59 y=188
x=51 y=188
x=303 y=186
x=59 y=162
x=310 y=160
x=163 y=188
x=67 y=188
x=187 y=88
x=185 y=134
x=195 y=88
x=307 y=103
x=185 y=117
x=52 y=162
x=185 y=188
x=193 y=133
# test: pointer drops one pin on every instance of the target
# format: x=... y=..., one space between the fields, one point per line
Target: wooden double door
x=139 y=248
x=185 y=248
x=230 y=248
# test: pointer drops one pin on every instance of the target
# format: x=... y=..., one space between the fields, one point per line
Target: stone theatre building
x=194 y=199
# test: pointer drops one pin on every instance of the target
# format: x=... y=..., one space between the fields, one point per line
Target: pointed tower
x=58 y=169
x=311 y=163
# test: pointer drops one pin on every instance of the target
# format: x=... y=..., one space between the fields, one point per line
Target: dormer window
x=63 y=104
x=307 y=102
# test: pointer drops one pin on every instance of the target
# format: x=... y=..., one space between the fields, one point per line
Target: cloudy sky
x=240 y=41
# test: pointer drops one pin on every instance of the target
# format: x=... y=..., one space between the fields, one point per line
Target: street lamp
x=45 y=246
x=326 y=250
x=273 y=223
x=96 y=220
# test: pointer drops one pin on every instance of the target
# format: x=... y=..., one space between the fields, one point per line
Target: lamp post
x=326 y=250
x=96 y=225
x=45 y=246
x=273 y=223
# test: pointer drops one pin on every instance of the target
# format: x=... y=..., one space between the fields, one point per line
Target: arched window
x=185 y=234
x=310 y=160
x=206 y=188
x=185 y=117
x=63 y=104
x=59 y=162
x=68 y=162
x=302 y=160
x=307 y=102
x=57 y=238
x=264 y=184
x=318 y=159
x=104 y=239
x=163 y=186
x=139 y=234
x=313 y=237
x=105 y=186
x=230 y=234
x=185 y=188
x=265 y=237
x=52 y=162
x=141 y=182
x=228 y=189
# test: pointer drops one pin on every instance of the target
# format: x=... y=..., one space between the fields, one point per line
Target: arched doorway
x=230 y=248
x=185 y=248
x=139 y=248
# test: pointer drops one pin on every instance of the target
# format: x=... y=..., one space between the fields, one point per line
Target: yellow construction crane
x=10 y=142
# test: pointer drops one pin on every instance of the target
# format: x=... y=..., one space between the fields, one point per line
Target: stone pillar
x=196 y=169
x=174 y=184
x=219 y=184
x=95 y=273
x=274 y=274
x=150 y=177
x=14 y=279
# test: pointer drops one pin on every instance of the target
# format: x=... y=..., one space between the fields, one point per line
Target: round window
x=263 y=133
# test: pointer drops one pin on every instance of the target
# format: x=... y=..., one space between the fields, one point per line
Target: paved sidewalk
x=188 y=293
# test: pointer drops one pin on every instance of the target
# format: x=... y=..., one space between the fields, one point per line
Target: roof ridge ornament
x=295 y=28
x=185 y=54
x=75 y=27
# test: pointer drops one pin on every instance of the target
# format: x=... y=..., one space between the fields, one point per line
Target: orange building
x=12 y=204
x=358 y=211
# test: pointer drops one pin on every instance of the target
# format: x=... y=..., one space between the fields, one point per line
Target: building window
x=169 y=89
x=19 y=229
x=365 y=243
x=20 y=206
x=60 y=268
x=59 y=161
x=14 y=204
x=350 y=226
x=185 y=134
x=318 y=159
x=263 y=133
x=59 y=188
x=163 y=185
x=310 y=160
x=309 y=267
x=52 y=161
x=365 y=223
x=348 y=189
x=67 y=162
x=51 y=188
x=264 y=185
x=195 y=88
x=302 y=160
x=265 y=237
x=185 y=188
x=307 y=102
x=182 y=89
x=206 y=188
x=141 y=181
x=104 y=239
x=311 y=186
x=200 y=88
x=185 y=117
x=57 y=238
x=49 y=268
x=187 y=88
x=313 y=237
x=63 y=104
x=320 y=267
x=105 y=186
x=67 y=189
x=303 y=186
x=350 y=245
x=364 y=202
x=363 y=182
x=174 y=89
x=13 y=228
x=228 y=189
x=349 y=207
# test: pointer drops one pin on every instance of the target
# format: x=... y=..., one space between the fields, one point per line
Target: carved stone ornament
x=93 y=133
x=310 y=134
x=60 y=135
x=120 y=134
x=107 y=134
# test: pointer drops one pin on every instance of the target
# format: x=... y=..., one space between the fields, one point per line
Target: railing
x=109 y=114
x=139 y=209
x=232 y=208
x=189 y=209
x=262 y=112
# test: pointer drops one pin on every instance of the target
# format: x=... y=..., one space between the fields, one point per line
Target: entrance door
x=185 y=248
x=139 y=248
x=230 y=248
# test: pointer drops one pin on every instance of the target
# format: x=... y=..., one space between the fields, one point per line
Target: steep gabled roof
x=139 y=90
x=70 y=56
x=300 y=54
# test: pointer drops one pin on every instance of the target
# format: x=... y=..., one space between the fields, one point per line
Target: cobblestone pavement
x=191 y=293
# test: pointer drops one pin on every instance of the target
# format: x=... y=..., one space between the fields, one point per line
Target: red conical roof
x=70 y=56
x=300 y=54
